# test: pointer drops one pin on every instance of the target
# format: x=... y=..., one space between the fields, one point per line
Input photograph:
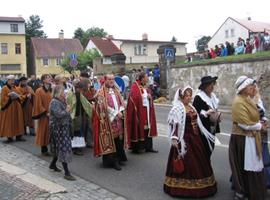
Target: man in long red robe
x=27 y=100
x=43 y=97
x=11 y=114
x=110 y=136
x=141 y=118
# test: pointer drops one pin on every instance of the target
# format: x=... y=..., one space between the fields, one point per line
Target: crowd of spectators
x=257 y=42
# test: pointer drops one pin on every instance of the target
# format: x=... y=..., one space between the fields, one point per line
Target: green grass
x=228 y=59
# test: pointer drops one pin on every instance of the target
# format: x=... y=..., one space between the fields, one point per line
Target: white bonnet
x=242 y=82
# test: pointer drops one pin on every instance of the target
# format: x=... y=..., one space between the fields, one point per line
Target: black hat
x=206 y=80
x=22 y=79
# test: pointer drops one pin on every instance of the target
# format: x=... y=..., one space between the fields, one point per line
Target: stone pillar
x=166 y=59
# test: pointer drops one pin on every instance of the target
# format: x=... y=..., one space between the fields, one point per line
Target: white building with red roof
x=139 y=52
x=234 y=28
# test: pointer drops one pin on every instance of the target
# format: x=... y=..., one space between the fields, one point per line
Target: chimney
x=249 y=18
x=61 y=34
x=145 y=36
x=110 y=37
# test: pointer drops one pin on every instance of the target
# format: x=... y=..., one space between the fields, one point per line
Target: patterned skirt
x=197 y=180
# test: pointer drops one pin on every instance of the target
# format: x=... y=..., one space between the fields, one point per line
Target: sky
x=187 y=20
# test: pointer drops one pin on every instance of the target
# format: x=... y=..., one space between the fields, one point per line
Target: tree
x=201 y=44
x=84 y=59
x=33 y=28
x=173 y=39
x=84 y=36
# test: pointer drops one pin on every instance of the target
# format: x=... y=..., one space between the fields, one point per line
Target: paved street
x=142 y=177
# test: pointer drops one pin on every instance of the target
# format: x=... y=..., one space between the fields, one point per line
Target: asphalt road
x=142 y=178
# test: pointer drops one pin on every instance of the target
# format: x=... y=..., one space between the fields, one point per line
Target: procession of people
x=65 y=116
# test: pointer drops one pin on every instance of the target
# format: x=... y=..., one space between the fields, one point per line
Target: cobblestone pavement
x=14 y=188
x=27 y=177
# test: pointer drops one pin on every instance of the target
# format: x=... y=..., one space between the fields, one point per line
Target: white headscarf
x=177 y=116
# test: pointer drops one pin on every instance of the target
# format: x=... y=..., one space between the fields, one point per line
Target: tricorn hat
x=206 y=80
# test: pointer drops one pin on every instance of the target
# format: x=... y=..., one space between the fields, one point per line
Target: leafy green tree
x=84 y=36
x=84 y=59
x=33 y=28
x=201 y=44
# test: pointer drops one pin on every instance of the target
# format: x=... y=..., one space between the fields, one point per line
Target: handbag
x=215 y=117
x=178 y=164
x=77 y=142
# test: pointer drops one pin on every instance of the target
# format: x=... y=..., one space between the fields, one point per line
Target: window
x=17 y=48
x=140 y=49
x=4 y=48
x=58 y=61
x=45 y=61
x=14 y=28
x=232 y=32
x=226 y=34
x=10 y=67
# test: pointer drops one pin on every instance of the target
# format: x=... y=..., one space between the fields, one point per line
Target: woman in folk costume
x=206 y=104
x=265 y=150
x=196 y=179
x=245 y=148
x=60 y=127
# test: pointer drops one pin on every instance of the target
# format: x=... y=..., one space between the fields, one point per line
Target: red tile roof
x=53 y=48
x=149 y=41
x=253 y=26
x=105 y=46
x=11 y=19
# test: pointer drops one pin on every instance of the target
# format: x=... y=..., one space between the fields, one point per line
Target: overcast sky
x=129 y=19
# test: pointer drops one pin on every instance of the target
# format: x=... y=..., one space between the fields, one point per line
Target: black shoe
x=9 y=140
x=117 y=167
x=46 y=154
x=78 y=153
x=20 y=139
x=89 y=146
x=151 y=151
x=137 y=151
x=121 y=163
x=69 y=178
x=56 y=169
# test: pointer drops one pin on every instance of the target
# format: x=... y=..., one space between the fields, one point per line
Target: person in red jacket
x=141 y=118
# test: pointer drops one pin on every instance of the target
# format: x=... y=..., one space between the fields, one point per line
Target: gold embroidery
x=190 y=183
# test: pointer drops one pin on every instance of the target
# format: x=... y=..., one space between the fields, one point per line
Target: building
x=145 y=51
x=13 y=47
x=234 y=28
x=137 y=52
x=46 y=54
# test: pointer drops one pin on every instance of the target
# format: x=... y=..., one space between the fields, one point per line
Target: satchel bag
x=178 y=164
x=77 y=142
x=215 y=117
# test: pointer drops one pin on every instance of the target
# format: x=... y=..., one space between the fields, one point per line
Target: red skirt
x=197 y=180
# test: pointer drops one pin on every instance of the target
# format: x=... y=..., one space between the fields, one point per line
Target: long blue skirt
x=266 y=162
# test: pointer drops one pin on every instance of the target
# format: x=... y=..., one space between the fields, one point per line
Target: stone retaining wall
x=227 y=75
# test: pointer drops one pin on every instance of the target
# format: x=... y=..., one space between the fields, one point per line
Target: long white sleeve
x=255 y=127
